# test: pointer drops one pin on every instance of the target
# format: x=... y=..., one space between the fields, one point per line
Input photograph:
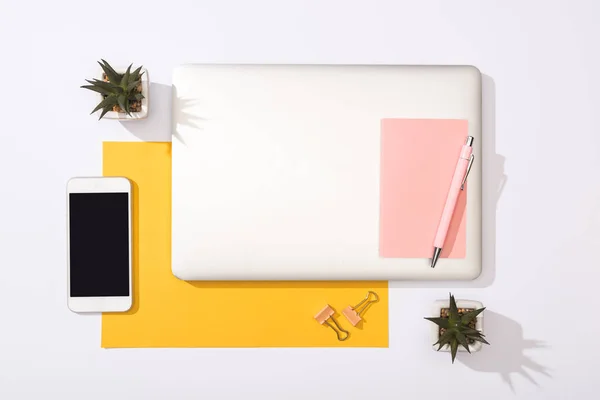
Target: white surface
x=98 y=184
x=541 y=85
x=276 y=169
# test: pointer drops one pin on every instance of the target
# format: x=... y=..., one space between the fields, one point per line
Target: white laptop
x=276 y=169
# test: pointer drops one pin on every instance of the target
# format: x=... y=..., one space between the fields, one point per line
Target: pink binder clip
x=326 y=315
x=353 y=313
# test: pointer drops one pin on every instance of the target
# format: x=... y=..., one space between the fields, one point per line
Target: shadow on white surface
x=157 y=126
x=506 y=353
x=181 y=107
x=494 y=180
x=493 y=183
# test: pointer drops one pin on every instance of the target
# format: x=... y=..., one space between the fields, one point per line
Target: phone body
x=99 y=250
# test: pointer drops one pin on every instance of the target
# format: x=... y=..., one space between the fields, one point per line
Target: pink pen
x=463 y=166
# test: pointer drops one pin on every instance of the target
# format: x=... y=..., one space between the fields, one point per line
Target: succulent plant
x=119 y=91
x=457 y=329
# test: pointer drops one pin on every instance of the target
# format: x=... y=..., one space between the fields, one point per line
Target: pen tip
x=436 y=255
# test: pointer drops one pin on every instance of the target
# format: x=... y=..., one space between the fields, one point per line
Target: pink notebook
x=418 y=158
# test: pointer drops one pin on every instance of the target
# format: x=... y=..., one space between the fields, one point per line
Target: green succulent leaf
x=468 y=317
x=441 y=322
x=125 y=80
x=112 y=75
x=112 y=72
x=453 y=308
x=135 y=97
x=104 y=111
x=98 y=89
x=105 y=85
x=135 y=75
x=479 y=339
x=470 y=332
x=123 y=103
x=462 y=340
x=444 y=339
x=444 y=343
x=107 y=102
x=453 y=348
x=132 y=85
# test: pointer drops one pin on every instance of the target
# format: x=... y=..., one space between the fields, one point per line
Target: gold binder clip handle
x=325 y=317
x=353 y=314
x=341 y=333
x=365 y=303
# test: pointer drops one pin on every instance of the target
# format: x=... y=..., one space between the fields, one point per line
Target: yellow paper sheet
x=168 y=312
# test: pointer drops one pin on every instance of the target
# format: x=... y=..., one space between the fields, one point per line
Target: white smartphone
x=99 y=244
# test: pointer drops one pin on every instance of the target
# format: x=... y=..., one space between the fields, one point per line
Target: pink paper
x=418 y=158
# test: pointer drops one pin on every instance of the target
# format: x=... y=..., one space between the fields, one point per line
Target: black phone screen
x=99 y=244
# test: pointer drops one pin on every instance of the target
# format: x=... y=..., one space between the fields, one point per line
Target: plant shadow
x=506 y=354
x=156 y=127
x=184 y=118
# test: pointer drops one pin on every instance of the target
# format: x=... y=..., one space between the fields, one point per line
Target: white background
x=542 y=193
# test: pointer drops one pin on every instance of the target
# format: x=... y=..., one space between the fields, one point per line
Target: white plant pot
x=134 y=115
x=437 y=308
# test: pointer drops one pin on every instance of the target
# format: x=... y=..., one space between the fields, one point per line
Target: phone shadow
x=135 y=256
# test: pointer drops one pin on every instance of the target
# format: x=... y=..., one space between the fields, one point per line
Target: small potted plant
x=122 y=93
x=457 y=323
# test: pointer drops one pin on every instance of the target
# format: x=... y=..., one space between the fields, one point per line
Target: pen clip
x=462 y=185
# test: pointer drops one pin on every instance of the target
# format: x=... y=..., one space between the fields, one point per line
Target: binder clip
x=353 y=313
x=326 y=315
